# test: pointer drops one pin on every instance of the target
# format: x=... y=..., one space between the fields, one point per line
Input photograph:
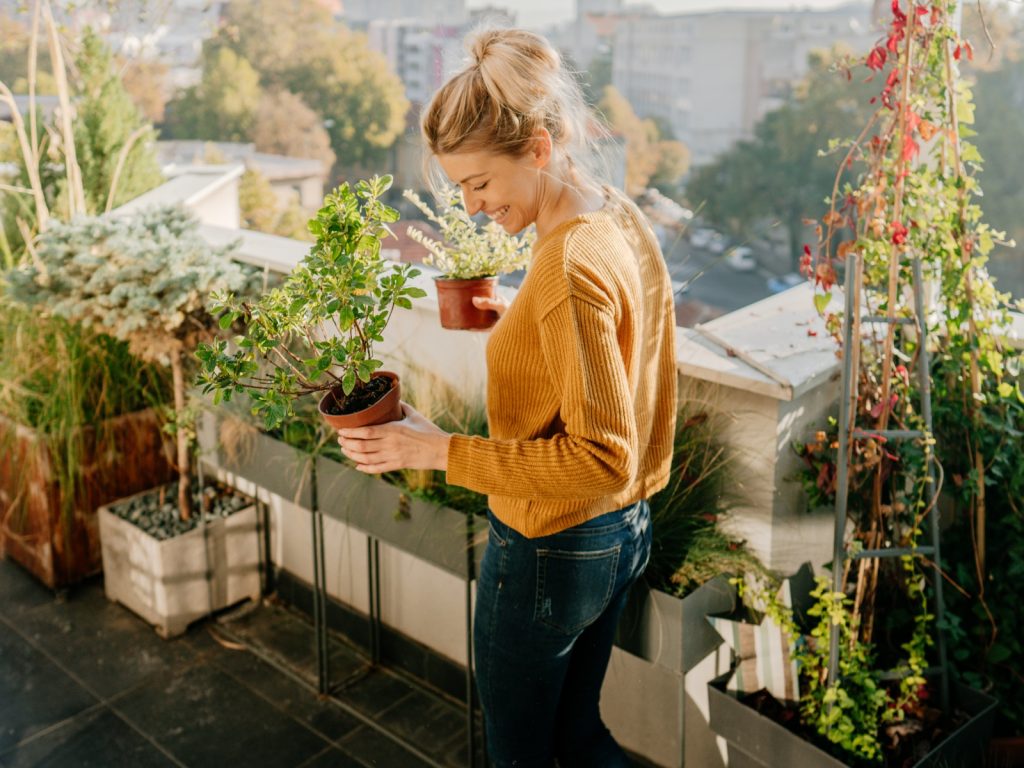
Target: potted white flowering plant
x=470 y=259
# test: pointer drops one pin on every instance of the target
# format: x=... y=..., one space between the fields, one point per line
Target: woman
x=580 y=398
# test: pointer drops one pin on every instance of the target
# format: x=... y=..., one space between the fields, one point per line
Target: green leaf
x=1005 y=389
x=821 y=301
x=348 y=382
x=226 y=320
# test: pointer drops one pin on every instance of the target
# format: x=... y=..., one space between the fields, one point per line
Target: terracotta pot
x=455 y=303
x=388 y=408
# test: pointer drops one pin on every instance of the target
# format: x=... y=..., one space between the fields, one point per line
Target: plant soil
x=156 y=512
x=904 y=743
x=362 y=397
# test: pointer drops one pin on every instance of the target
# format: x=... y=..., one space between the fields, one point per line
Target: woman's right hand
x=497 y=304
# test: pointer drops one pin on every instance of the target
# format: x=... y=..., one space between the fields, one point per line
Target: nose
x=472 y=203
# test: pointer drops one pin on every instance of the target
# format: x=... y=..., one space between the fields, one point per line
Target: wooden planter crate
x=33 y=528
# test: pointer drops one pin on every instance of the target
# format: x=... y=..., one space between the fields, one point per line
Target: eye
x=480 y=187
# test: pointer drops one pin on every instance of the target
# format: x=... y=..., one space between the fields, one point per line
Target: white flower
x=467 y=251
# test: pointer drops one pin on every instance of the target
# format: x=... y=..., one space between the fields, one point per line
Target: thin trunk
x=181 y=436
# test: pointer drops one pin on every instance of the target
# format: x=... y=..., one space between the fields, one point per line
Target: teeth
x=500 y=213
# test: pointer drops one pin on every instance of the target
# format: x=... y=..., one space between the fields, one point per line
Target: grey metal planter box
x=757 y=741
x=264 y=460
x=669 y=641
x=434 y=534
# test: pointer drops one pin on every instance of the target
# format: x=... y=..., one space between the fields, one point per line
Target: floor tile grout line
x=365 y=720
x=101 y=699
x=317 y=756
x=330 y=741
x=53 y=727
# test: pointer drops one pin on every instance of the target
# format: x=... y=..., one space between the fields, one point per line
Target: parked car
x=741 y=258
x=780 y=283
x=702 y=237
x=718 y=244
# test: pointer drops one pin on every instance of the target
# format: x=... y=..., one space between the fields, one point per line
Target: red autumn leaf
x=811 y=332
x=926 y=129
x=910 y=148
x=936 y=15
x=969 y=50
x=956 y=53
x=913 y=120
x=825 y=276
x=832 y=219
x=897 y=13
x=877 y=57
x=893 y=43
x=899 y=233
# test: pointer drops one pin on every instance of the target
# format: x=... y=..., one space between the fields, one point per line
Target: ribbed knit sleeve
x=595 y=455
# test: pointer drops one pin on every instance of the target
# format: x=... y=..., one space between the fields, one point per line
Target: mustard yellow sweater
x=581 y=392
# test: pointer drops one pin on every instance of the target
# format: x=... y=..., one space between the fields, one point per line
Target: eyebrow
x=472 y=176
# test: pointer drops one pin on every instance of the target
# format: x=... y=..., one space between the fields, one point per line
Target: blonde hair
x=513 y=84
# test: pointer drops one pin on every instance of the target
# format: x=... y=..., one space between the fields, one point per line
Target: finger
x=376 y=468
x=483 y=302
x=359 y=433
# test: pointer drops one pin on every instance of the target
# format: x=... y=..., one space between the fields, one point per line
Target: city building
x=446 y=12
x=422 y=53
x=298 y=179
x=712 y=76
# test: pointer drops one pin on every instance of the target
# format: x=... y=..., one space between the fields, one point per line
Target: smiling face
x=506 y=188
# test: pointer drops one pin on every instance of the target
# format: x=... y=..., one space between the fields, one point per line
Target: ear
x=541 y=148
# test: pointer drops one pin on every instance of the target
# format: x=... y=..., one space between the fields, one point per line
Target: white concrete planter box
x=172 y=583
x=655 y=695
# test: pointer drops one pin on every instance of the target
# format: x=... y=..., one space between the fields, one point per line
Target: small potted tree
x=145 y=280
x=315 y=333
x=470 y=259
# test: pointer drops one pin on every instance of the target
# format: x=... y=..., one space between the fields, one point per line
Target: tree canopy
x=108 y=123
x=780 y=172
x=650 y=158
x=332 y=69
x=222 y=106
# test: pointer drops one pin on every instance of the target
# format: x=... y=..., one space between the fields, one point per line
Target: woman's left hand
x=412 y=443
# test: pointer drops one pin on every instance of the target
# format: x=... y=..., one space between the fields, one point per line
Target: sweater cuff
x=459 y=461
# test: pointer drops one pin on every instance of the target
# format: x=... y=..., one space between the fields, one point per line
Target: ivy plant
x=316 y=331
x=905 y=192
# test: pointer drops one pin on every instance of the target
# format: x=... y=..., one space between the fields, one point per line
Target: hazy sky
x=540 y=13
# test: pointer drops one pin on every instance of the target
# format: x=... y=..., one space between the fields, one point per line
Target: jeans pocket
x=574 y=588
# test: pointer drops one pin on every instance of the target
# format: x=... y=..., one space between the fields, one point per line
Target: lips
x=499 y=215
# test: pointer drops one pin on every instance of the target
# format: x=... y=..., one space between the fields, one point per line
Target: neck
x=564 y=196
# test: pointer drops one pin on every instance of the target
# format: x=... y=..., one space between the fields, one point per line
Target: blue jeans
x=546 y=612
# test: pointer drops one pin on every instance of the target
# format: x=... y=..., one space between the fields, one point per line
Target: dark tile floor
x=83 y=682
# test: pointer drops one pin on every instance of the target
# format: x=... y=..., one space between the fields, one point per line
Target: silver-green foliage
x=144 y=278
x=317 y=330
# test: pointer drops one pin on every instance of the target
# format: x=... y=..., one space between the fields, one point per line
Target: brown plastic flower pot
x=388 y=408
x=455 y=303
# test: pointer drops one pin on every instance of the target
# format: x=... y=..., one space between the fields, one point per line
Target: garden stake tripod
x=849 y=433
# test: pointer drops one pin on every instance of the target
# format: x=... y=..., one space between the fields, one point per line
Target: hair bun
x=480 y=44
